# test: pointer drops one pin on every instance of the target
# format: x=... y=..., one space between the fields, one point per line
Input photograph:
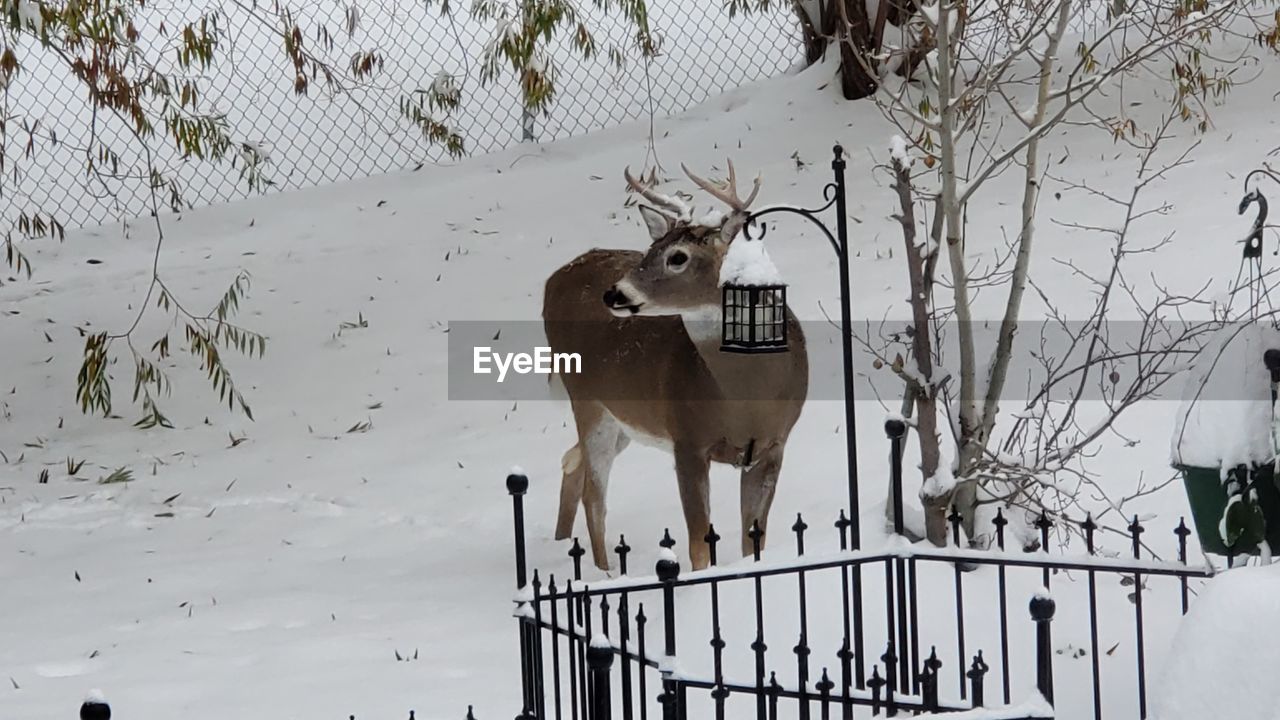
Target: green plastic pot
x=1207 y=495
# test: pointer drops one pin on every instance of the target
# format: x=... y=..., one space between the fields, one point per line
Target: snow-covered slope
x=282 y=576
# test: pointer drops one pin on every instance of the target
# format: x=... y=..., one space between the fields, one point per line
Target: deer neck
x=703 y=326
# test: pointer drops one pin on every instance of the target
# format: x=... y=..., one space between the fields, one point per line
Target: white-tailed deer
x=647 y=326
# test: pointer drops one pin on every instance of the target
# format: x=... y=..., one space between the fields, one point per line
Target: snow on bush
x=1223 y=661
x=898 y=150
x=1226 y=416
x=747 y=263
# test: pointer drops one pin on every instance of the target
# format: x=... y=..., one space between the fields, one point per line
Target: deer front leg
x=600 y=446
x=693 y=466
x=758 y=485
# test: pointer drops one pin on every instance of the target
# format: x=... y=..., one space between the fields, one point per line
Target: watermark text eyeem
x=540 y=362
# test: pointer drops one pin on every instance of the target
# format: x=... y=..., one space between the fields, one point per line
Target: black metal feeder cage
x=754 y=318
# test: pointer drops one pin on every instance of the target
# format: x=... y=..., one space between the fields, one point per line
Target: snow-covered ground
x=1222 y=664
x=308 y=571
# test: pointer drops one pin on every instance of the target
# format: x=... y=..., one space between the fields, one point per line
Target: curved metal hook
x=750 y=223
x=1265 y=172
x=829 y=193
x=802 y=212
x=1253 y=241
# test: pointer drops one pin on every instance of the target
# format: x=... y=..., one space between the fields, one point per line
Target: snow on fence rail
x=752 y=636
x=326 y=137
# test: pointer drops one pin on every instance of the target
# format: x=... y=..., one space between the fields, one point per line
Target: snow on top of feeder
x=1226 y=416
x=1216 y=667
x=746 y=262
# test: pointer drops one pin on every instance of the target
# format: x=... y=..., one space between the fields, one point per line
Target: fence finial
x=517 y=482
x=977 y=673
x=576 y=552
x=1000 y=521
x=756 y=533
x=711 y=539
x=622 y=549
x=1136 y=530
x=95 y=707
x=1089 y=527
x=798 y=528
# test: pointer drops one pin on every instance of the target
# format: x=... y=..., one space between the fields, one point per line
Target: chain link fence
x=356 y=129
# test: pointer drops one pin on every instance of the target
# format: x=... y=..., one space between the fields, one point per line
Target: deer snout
x=620 y=303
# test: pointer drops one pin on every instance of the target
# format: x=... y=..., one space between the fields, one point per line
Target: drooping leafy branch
x=523 y=31
x=143 y=87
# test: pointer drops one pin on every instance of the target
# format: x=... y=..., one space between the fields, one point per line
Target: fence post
x=876 y=683
x=668 y=569
x=775 y=690
x=644 y=698
x=624 y=629
x=576 y=552
x=929 y=681
x=1042 y=609
x=517 y=485
x=1136 y=530
x=1000 y=522
x=802 y=645
x=599 y=660
x=1182 y=531
x=720 y=693
x=896 y=430
x=758 y=646
x=537 y=671
x=977 y=674
x=825 y=686
x=890 y=680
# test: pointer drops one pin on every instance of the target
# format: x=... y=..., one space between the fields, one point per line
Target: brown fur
x=654 y=379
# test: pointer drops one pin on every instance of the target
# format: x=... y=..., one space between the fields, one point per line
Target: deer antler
x=728 y=196
x=684 y=212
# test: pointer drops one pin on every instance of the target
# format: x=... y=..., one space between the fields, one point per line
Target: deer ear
x=659 y=223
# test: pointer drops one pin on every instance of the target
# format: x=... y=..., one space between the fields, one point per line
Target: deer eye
x=677 y=259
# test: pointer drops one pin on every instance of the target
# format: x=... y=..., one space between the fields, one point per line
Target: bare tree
x=997 y=82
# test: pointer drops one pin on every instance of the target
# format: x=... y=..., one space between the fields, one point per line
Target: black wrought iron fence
x=889 y=631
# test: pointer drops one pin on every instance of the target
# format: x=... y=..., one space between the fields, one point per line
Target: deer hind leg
x=600 y=439
x=571 y=484
x=759 y=482
x=693 y=476
x=570 y=491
